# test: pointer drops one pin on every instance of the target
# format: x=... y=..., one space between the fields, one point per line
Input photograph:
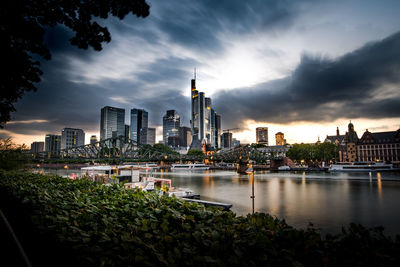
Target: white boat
x=189 y=167
x=362 y=166
x=284 y=168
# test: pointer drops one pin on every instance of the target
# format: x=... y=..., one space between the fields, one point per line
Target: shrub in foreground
x=84 y=223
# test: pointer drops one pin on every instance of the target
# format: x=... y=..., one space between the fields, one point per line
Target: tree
x=22 y=27
x=195 y=152
x=12 y=156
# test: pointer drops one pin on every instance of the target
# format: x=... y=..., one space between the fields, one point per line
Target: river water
x=328 y=200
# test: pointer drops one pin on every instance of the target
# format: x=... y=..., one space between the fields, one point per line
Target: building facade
x=226 y=140
x=112 y=122
x=71 y=137
x=202 y=117
x=52 y=143
x=280 y=139
x=37 y=147
x=262 y=135
x=218 y=131
x=148 y=136
x=93 y=139
x=171 y=124
x=139 y=121
x=185 y=136
x=380 y=146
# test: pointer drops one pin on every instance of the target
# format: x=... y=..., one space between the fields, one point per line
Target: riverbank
x=64 y=222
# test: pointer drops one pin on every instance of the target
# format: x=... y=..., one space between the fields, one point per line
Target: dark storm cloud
x=322 y=89
x=199 y=24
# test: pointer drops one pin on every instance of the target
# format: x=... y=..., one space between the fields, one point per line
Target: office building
x=148 y=136
x=218 y=131
x=37 y=147
x=201 y=120
x=71 y=137
x=127 y=133
x=93 y=139
x=185 y=136
x=139 y=121
x=112 y=122
x=262 y=135
x=280 y=139
x=226 y=140
x=380 y=146
x=235 y=142
x=171 y=124
x=52 y=143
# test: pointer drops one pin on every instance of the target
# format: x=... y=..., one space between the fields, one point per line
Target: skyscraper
x=279 y=139
x=112 y=122
x=52 y=143
x=171 y=124
x=201 y=115
x=127 y=133
x=139 y=120
x=185 y=136
x=148 y=136
x=217 y=135
x=226 y=140
x=262 y=135
x=71 y=137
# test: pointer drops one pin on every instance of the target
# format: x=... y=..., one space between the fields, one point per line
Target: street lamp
x=250 y=171
x=66 y=167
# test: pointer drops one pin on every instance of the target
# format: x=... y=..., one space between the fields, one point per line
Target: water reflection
x=329 y=200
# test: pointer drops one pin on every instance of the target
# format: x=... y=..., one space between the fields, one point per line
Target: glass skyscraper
x=112 y=122
x=202 y=119
x=139 y=121
x=171 y=124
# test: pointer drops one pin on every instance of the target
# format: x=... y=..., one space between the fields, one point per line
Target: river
x=328 y=200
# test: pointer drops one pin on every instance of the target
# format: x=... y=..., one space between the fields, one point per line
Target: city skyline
x=301 y=68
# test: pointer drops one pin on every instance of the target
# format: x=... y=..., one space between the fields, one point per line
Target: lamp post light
x=250 y=171
x=66 y=168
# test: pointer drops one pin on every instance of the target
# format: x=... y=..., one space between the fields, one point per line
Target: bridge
x=120 y=148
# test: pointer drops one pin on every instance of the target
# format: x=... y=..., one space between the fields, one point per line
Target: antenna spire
x=195 y=73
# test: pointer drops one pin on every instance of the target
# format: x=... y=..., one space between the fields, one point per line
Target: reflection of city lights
x=379 y=176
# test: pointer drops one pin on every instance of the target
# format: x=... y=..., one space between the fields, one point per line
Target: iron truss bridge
x=120 y=148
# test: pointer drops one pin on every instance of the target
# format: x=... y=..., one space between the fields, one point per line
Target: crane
x=231 y=129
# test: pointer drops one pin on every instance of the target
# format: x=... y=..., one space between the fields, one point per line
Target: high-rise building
x=52 y=143
x=185 y=136
x=262 y=135
x=139 y=121
x=226 y=140
x=235 y=142
x=112 y=122
x=37 y=147
x=280 y=139
x=71 y=137
x=217 y=135
x=93 y=139
x=201 y=115
x=127 y=133
x=171 y=124
x=148 y=136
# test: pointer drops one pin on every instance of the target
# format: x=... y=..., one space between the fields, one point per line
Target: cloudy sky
x=300 y=67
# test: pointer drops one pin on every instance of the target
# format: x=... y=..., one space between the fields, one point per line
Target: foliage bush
x=96 y=225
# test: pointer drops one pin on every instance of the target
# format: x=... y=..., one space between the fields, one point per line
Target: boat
x=134 y=176
x=284 y=168
x=189 y=167
x=362 y=166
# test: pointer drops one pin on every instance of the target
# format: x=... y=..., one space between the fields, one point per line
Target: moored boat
x=189 y=167
x=362 y=166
